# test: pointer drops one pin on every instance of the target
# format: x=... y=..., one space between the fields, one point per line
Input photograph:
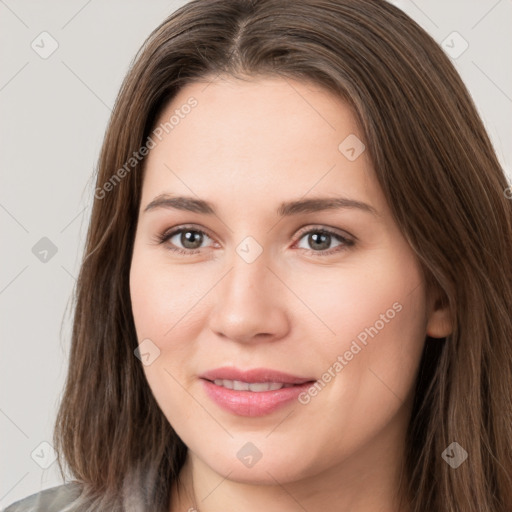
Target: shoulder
x=54 y=499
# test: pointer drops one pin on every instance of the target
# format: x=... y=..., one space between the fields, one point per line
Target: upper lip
x=254 y=375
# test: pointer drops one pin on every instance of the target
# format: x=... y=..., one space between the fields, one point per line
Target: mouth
x=230 y=377
x=253 y=392
x=256 y=387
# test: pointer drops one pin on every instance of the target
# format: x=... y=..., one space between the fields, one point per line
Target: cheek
x=158 y=305
x=378 y=296
x=166 y=303
x=367 y=371
x=163 y=299
x=369 y=366
x=376 y=319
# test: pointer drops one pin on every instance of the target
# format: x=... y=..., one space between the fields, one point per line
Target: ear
x=439 y=324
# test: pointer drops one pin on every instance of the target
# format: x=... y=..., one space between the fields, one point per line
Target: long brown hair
x=445 y=187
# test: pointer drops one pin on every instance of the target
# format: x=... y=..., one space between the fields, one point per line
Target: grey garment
x=54 y=499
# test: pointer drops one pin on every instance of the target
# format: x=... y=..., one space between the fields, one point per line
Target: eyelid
x=182 y=227
x=321 y=227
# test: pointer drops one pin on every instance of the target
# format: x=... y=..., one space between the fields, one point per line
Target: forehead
x=260 y=137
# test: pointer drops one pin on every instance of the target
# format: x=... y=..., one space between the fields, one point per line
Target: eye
x=320 y=239
x=190 y=238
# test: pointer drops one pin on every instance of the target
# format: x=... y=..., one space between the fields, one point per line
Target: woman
x=296 y=287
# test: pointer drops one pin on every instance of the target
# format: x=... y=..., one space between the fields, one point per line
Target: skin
x=246 y=147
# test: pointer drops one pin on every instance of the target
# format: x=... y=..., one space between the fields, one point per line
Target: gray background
x=53 y=115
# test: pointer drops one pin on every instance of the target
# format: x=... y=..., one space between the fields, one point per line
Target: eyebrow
x=285 y=209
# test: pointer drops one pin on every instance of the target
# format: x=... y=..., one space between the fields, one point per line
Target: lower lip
x=251 y=403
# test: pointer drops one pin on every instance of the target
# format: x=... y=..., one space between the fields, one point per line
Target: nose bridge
x=247 y=300
x=248 y=278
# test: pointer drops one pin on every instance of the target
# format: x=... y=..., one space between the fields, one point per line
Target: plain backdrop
x=62 y=63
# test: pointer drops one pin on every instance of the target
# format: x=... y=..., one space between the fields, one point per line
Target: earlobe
x=439 y=323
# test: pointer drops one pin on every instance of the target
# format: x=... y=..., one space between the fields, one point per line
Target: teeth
x=238 y=385
x=241 y=386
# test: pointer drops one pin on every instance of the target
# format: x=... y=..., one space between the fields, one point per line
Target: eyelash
x=162 y=238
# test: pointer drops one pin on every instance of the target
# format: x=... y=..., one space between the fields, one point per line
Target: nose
x=250 y=303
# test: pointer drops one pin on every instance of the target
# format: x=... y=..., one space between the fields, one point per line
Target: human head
x=435 y=167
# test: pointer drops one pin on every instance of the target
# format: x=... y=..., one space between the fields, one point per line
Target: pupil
x=324 y=243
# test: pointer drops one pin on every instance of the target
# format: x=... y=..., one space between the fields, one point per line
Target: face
x=329 y=293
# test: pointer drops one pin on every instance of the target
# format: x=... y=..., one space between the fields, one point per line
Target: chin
x=244 y=463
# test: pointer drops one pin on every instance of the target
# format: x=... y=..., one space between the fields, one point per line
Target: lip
x=254 y=375
x=250 y=403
